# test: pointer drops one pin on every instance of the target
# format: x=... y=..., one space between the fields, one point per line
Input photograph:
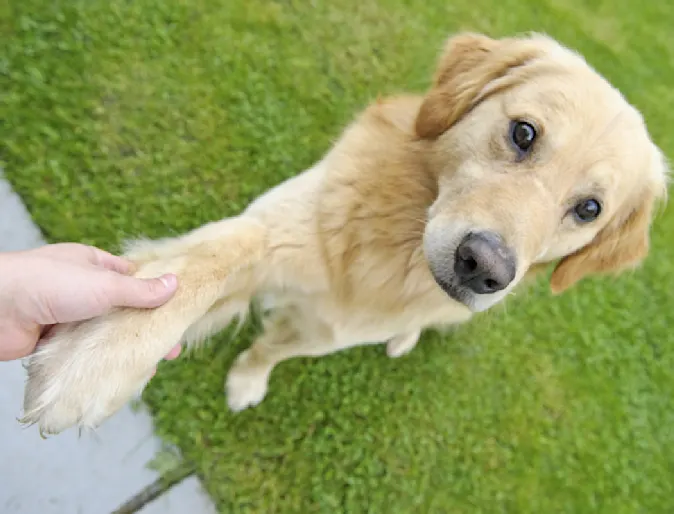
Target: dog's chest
x=354 y=323
x=373 y=325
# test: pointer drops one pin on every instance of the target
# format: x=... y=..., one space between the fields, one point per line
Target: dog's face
x=538 y=159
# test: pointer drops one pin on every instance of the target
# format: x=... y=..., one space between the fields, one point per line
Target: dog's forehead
x=569 y=92
x=596 y=139
x=610 y=148
x=576 y=105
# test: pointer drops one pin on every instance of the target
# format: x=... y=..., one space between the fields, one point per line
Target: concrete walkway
x=66 y=474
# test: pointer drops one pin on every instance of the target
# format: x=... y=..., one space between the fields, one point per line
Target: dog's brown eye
x=522 y=135
x=587 y=210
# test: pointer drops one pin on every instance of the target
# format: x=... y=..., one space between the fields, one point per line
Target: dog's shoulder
x=394 y=112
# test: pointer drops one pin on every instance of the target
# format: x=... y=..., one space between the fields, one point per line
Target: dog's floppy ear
x=467 y=65
x=617 y=247
x=621 y=245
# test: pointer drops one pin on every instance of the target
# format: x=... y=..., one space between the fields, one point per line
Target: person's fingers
x=112 y=262
x=174 y=353
x=62 y=251
x=126 y=291
x=86 y=254
x=18 y=342
x=71 y=252
x=45 y=330
x=101 y=258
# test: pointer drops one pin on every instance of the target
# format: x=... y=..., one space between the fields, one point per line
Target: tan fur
x=469 y=63
x=343 y=254
x=623 y=244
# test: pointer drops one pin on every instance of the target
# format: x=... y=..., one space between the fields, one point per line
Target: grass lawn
x=150 y=117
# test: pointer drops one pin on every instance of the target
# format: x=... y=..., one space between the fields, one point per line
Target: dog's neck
x=389 y=187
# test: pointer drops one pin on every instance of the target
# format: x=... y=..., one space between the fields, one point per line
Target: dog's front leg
x=287 y=334
x=402 y=344
x=86 y=371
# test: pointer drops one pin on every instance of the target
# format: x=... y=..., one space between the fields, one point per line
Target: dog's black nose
x=483 y=263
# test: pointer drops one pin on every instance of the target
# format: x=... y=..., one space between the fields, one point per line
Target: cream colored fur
x=341 y=254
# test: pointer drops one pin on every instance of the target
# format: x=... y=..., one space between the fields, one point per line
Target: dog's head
x=538 y=159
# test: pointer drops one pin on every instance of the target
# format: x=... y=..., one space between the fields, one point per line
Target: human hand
x=67 y=282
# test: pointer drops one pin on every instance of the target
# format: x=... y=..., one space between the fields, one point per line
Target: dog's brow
x=610 y=126
x=588 y=144
x=543 y=188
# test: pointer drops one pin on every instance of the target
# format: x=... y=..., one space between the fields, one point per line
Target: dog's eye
x=587 y=210
x=522 y=136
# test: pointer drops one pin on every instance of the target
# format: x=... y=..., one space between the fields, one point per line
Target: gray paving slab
x=17 y=230
x=187 y=497
x=66 y=474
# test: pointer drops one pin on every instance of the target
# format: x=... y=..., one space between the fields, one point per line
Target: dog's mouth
x=473 y=301
x=456 y=291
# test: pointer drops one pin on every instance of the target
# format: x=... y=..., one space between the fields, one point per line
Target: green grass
x=152 y=117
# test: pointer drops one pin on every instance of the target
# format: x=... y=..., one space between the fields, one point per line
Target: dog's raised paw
x=81 y=375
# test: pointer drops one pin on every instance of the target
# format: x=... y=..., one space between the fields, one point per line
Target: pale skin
x=67 y=282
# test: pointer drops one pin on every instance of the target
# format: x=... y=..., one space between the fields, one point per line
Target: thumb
x=17 y=341
x=143 y=292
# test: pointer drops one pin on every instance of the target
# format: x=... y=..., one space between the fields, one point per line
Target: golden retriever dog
x=427 y=210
